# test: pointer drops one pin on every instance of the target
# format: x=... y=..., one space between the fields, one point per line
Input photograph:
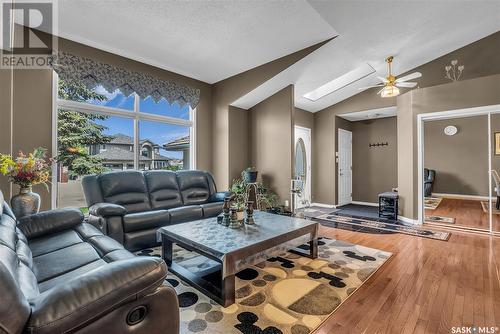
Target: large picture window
x=99 y=131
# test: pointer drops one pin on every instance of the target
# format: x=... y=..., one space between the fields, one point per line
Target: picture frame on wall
x=497 y=143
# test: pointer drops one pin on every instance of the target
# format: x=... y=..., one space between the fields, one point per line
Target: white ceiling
x=415 y=32
x=205 y=40
x=213 y=40
x=370 y=114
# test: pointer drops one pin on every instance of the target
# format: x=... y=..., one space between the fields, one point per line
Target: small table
x=234 y=249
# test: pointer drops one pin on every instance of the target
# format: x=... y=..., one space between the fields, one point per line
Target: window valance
x=75 y=69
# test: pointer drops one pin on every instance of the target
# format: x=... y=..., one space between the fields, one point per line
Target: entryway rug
x=439 y=219
x=486 y=208
x=313 y=211
x=385 y=226
x=431 y=203
x=287 y=294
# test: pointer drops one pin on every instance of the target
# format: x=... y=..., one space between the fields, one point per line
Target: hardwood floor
x=427 y=286
x=467 y=213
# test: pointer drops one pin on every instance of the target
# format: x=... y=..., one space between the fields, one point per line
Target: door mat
x=431 y=203
x=439 y=219
x=411 y=230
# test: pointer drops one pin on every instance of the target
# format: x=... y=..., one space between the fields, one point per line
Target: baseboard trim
x=364 y=203
x=458 y=196
x=323 y=205
x=408 y=220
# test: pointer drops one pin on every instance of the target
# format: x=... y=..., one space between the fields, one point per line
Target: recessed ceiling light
x=340 y=82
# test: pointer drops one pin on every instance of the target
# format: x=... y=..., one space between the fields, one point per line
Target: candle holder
x=234 y=222
x=249 y=211
x=226 y=214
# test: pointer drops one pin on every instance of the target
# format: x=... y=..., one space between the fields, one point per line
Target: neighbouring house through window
x=99 y=131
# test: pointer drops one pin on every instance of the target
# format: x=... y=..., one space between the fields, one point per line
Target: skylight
x=340 y=82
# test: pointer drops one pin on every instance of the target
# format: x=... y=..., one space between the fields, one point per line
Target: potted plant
x=249 y=175
x=238 y=190
x=26 y=171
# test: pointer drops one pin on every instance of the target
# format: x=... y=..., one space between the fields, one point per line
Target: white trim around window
x=136 y=115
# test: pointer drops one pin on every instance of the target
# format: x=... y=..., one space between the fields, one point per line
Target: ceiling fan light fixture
x=390 y=91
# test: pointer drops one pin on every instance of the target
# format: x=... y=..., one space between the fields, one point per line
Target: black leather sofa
x=132 y=205
x=61 y=275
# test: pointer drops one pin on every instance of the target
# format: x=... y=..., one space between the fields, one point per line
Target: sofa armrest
x=219 y=197
x=107 y=210
x=47 y=222
x=86 y=299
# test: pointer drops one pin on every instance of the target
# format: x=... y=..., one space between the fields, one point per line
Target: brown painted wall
x=227 y=91
x=458 y=95
x=477 y=60
x=374 y=169
x=460 y=161
x=304 y=118
x=272 y=139
x=5 y=135
x=239 y=145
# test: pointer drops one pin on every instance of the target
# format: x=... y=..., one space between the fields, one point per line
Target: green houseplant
x=266 y=198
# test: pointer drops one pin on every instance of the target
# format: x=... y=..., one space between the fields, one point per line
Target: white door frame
x=448 y=114
x=339 y=203
x=308 y=145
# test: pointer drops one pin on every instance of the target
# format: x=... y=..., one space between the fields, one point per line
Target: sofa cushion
x=185 y=213
x=163 y=189
x=126 y=188
x=193 y=186
x=212 y=209
x=145 y=220
x=56 y=263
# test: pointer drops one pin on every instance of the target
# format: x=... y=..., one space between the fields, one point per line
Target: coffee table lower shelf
x=210 y=281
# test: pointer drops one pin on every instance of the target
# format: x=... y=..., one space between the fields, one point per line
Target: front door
x=345 y=167
x=302 y=170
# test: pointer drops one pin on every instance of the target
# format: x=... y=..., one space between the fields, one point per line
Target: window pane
x=97 y=96
x=163 y=108
x=163 y=146
x=89 y=144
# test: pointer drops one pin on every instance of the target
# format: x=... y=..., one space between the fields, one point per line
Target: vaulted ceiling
x=213 y=40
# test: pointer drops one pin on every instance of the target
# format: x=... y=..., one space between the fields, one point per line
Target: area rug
x=286 y=294
x=431 y=203
x=486 y=208
x=439 y=219
x=385 y=226
x=313 y=211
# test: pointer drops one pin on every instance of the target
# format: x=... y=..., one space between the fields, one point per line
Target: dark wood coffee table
x=234 y=249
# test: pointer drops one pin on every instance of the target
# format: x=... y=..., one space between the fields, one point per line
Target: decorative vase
x=250 y=176
x=25 y=203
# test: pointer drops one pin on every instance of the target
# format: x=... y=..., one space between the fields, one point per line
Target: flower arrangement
x=27 y=170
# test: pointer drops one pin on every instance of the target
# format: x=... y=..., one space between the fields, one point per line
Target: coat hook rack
x=378 y=144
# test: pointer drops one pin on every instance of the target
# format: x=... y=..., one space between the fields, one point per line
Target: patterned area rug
x=385 y=226
x=486 y=208
x=313 y=211
x=285 y=294
x=439 y=219
x=431 y=203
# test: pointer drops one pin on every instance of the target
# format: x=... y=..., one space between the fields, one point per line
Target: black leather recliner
x=61 y=275
x=429 y=177
x=132 y=204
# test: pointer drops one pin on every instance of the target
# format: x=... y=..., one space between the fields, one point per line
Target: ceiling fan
x=391 y=84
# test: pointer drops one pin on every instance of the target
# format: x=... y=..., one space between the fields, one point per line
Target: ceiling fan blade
x=384 y=80
x=363 y=88
x=380 y=91
x=411 y=76
x=406 y=84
